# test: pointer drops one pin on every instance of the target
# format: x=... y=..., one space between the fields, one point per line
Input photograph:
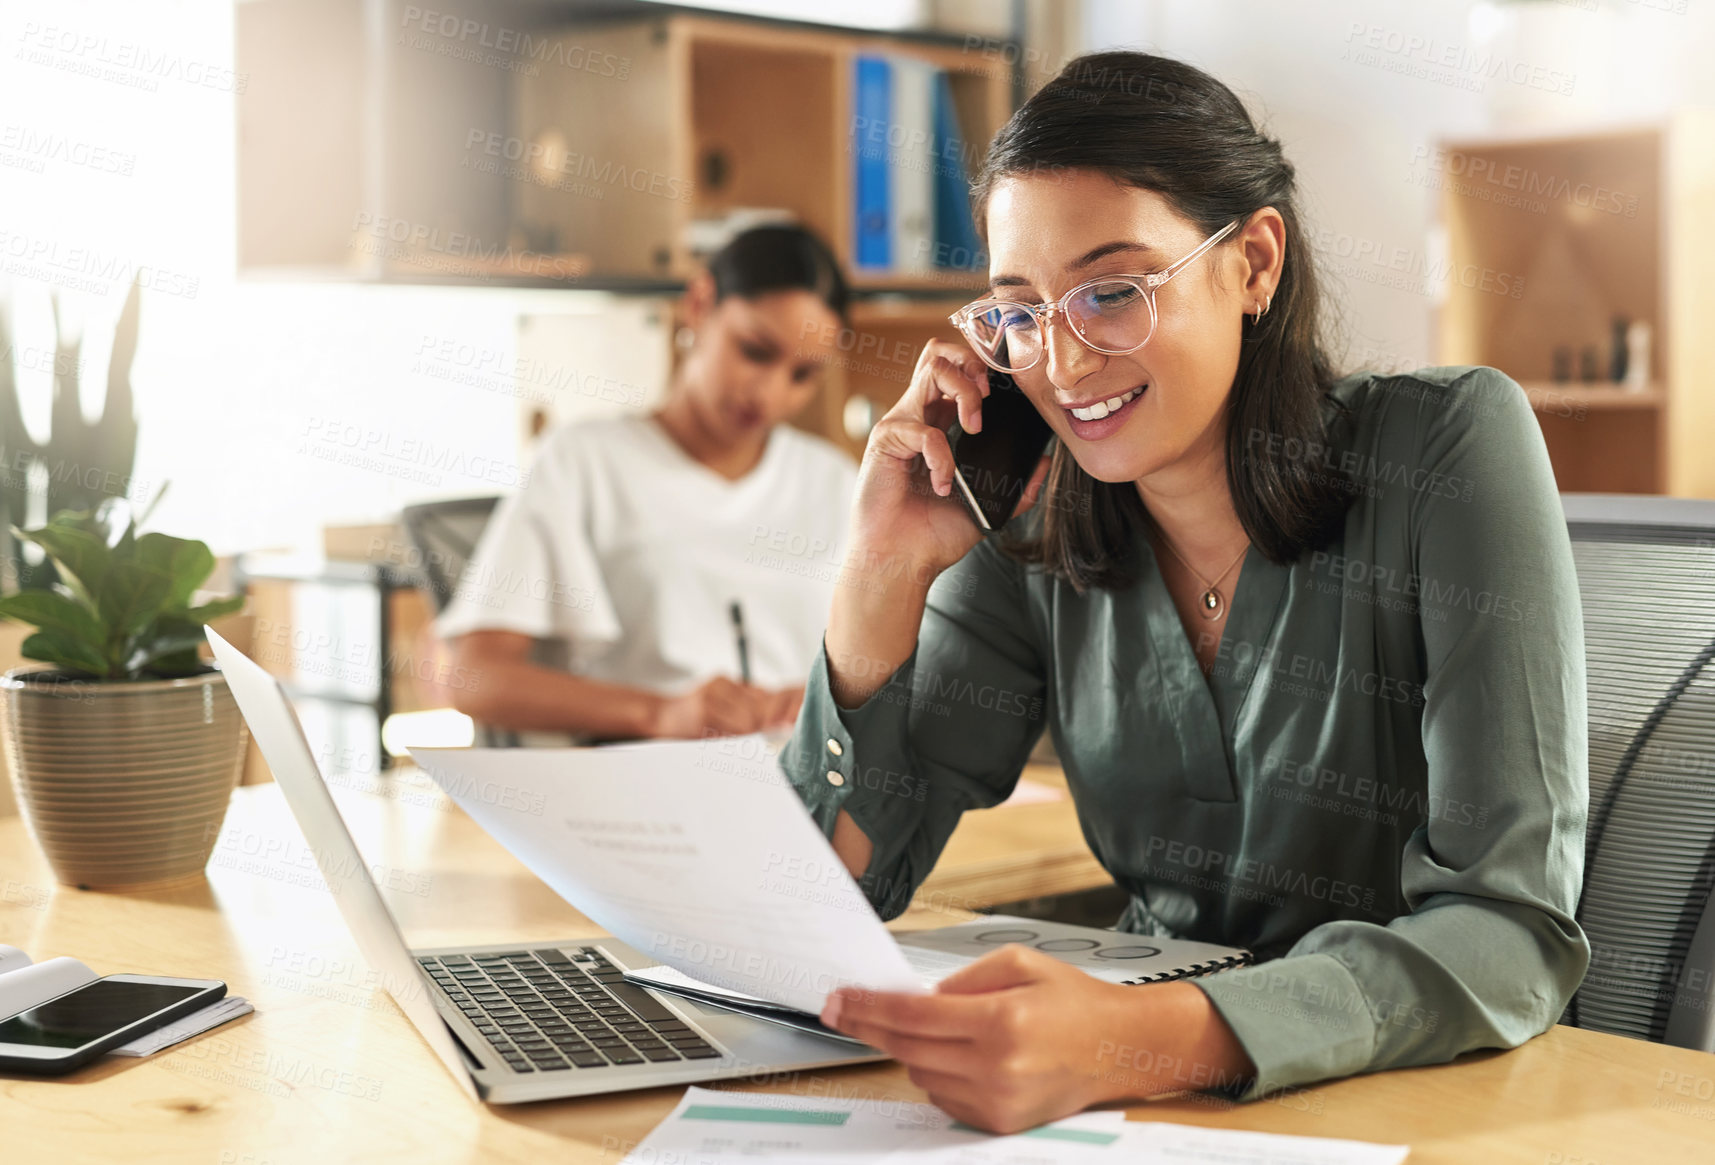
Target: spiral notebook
x=1109 y=955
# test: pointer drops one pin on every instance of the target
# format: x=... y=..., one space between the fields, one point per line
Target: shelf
x=369 y=127
x=1552 y=242
x=963 y=283
x=1552 y=396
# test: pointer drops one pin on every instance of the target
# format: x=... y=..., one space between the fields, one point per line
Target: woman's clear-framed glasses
x=1113 y=314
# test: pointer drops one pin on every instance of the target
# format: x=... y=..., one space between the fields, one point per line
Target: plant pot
x=123 y=785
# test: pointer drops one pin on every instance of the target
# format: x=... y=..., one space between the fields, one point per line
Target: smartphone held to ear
x=991 y=468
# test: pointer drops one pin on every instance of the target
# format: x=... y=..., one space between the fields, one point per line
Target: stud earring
x=684 y=339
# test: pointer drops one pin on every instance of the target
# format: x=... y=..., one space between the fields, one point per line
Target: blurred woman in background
x=669 y=575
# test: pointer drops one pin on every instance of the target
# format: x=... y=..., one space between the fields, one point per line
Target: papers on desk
x=697 y=853
x=715 y=1127
x=183 y=1028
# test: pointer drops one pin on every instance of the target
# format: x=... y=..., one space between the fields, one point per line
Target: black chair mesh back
x=444 y=535
x=1646 y=575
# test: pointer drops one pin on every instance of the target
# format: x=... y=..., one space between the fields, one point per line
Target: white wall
x=1357 y=90
x=274 y=408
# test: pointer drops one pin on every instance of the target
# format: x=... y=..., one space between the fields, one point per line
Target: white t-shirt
x=622 y=556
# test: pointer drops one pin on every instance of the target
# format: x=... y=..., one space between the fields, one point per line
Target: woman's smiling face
x=1047 y=234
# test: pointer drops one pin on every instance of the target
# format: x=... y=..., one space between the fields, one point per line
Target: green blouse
x=1380 y=789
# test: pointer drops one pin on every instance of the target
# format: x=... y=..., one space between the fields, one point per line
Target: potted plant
x=124 y=752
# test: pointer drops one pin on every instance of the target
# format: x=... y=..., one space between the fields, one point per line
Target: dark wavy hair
x=779 y=257
x=1162 y=125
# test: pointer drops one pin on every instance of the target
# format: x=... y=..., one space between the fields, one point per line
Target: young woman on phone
x=599 y=603
x=1308 y=647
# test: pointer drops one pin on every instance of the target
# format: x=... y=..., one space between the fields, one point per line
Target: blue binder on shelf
x=957 y=246
x=872 y=249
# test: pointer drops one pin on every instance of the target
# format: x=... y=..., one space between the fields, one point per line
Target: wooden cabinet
x=553 y=143
x=1551 y=239
x=877 y=354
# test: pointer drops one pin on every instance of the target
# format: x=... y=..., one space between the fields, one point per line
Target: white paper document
x=697 y=853
x=183 y=1028
x=711 y=1127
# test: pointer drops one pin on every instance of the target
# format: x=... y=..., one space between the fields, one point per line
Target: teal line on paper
x=1083 y=1136
x=772 y=1116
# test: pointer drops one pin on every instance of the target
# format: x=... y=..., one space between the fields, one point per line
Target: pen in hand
x=743 y=647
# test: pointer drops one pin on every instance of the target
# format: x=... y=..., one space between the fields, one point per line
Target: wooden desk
x=1014 y=852
x=328 y=1071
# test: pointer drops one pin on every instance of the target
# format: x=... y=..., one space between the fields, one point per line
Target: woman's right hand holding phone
x=907 y=526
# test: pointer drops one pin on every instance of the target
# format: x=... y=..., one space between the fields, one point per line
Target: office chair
x=1646 y=577
x=444 y=535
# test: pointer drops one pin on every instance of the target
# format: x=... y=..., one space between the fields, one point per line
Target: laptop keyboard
x=545 y=1011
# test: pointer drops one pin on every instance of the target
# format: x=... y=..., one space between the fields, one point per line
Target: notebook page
x=24 y=988
x=12 y=959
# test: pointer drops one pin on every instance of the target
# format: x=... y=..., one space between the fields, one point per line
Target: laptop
x=519 y=1021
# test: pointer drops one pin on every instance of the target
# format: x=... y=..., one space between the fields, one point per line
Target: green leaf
x=185 y=561
x=67 y=652
x=169 y=646
x=128 y=612
x=131 y=597
x=171 y=640
x=149 y=510
x=82 y=557
x=213 y=609
x=126 y=547
x=181 y=663
x=51 y=611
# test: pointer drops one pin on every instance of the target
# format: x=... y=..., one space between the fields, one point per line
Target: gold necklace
x=1210 y=604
